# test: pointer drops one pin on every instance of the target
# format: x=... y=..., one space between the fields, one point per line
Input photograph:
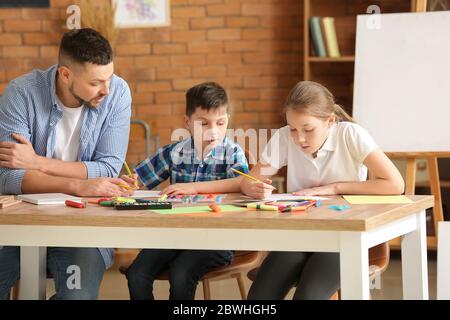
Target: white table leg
x=443 y=261
x=33 y=273
x=354 y=260
x=414 y=261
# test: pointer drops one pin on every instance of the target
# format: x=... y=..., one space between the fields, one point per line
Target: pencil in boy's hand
x=250 y=177
x=127 y=168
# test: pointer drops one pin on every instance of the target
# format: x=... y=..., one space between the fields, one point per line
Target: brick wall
x=252 y=47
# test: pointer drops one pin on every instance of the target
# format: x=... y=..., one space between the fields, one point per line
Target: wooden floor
x=114 y=285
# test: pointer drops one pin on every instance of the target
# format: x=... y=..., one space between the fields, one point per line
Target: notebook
x=47 y=198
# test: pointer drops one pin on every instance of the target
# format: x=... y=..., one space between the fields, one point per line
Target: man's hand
x=102 y=187
x=19 y=155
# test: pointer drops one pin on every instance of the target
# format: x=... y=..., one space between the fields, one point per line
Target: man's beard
x=81 y=100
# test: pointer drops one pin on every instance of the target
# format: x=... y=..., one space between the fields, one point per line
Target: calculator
x=152 y=205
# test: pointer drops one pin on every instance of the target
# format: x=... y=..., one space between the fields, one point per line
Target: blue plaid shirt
x=180 y=162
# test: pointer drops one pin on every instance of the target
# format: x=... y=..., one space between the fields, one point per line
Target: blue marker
x=219 y=199
x=339 y=208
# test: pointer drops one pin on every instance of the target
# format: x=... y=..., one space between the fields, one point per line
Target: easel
x=419 y=5
x=432 y=161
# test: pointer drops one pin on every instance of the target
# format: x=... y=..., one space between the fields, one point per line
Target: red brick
x=3 y=87
x=230 y=82
x=188 y=36
x=154 y=109
x=228 y=9
x=152 y=61
x=260 y=82
x=188 y=60
x=185 y=84
x=258 y=34
x=169 y=48
x=49 y=51
x=241 y=46
x=244 y=70
x=38 y=63
x=54 y=26
x=60 y=3
x=10 y=14
x=8 y=39
x=11 y=63
x=137 y=74
x=133 y=49
x=190 y=11
x=170 y=73
x=169 y=97
x=154 y=86
x=205 y=47
x=234 y=22
x=22 y=25
x=20 y=51
x=244 y=94
x=258 y=58
x=209 y=72
x=224 y=34
x=123 y=62
x=41 y=38
x=41 y=14
x=152 y=35
x=224 y=58
x=258 y=105
x=206 y=23
x=142 y=99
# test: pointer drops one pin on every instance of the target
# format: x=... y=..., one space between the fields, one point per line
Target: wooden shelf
x=338 y=77
x=340 y=59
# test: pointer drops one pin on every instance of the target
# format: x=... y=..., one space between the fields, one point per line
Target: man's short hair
x=85 y=45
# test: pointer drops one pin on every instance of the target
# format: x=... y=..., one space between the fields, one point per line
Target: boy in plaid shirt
x=199 y=164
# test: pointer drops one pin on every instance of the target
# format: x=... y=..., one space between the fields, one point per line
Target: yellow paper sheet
x=377 y=199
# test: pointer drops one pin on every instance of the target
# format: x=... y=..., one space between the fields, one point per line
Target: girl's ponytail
x=341 y=115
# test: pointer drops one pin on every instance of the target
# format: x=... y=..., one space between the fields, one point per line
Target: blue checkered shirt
x=179 y=162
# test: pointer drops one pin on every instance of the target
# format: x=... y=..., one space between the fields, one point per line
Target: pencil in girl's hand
x=250 y=177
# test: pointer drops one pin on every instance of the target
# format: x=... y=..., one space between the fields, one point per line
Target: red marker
x=75 y=204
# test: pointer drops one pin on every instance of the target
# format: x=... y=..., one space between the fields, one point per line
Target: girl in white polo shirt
x=325 y=154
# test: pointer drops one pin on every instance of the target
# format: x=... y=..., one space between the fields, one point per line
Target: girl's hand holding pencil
x=258 y=189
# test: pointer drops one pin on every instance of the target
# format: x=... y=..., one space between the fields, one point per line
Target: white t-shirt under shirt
x=339 y=160
x=68 y=130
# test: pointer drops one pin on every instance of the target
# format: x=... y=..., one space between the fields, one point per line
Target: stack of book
x=324 y=38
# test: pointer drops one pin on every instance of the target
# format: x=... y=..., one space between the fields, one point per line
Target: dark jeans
x=60 y=264
x=185 y=269
x=316 y=276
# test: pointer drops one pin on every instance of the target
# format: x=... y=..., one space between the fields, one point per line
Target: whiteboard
x=402 y=80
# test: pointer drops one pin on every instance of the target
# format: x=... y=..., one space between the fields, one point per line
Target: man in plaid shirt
x=200 y=164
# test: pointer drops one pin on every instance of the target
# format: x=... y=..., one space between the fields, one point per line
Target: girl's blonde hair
x=316 y=100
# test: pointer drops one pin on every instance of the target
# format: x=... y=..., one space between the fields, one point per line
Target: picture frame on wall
x=24 y=3
x=142 y=13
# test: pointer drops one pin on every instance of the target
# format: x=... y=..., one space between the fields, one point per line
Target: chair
x=243 y=262
x=378 y=262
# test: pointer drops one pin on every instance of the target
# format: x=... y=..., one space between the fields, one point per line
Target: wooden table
x=351 y=232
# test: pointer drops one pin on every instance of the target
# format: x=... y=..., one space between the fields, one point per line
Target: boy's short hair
x=208 y=96
x=85 y=45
